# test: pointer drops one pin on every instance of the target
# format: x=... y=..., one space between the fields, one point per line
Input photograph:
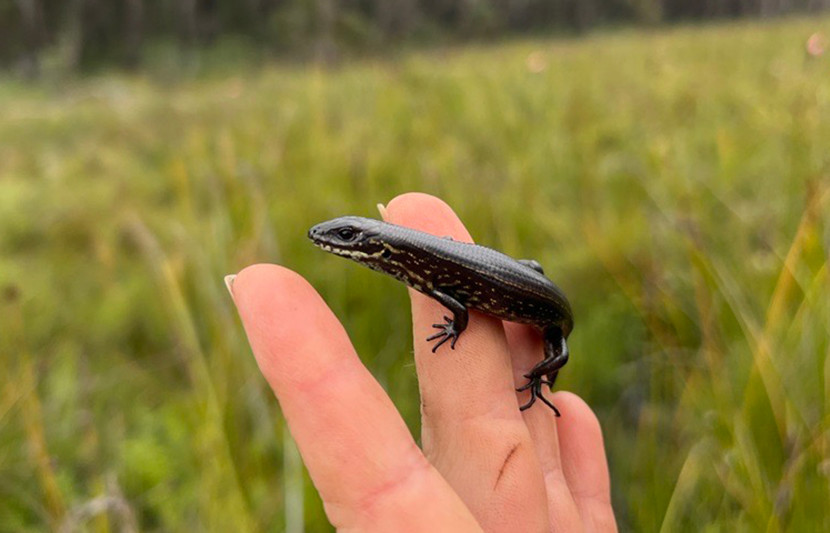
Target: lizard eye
x=346 y=234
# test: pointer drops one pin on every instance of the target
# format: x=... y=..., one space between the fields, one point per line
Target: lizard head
x=352 y=237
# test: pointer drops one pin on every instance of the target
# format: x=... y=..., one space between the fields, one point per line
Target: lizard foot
x=447 y=332
x=535 y=385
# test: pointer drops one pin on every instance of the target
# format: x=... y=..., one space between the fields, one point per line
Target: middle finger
x=471 y=419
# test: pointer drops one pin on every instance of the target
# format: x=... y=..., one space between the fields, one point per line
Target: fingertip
x=283 y=315
x=408 y=199
x=426 y=213
x=262 y=275
x=582 y=450
x=575 y=411
x=257 y=289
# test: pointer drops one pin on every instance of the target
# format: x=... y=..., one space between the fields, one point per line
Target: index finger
x=357 y=448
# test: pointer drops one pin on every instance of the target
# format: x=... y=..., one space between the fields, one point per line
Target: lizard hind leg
x=556 y=355
x=535 y=386
x=532 y=263
x=558 y=362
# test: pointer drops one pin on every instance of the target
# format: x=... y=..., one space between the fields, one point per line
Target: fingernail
x=229 y=279
x=382 y=211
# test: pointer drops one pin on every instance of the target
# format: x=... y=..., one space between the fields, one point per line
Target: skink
x=461 y=276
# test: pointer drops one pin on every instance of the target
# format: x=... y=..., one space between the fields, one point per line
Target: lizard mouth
x=331 y=249
x=323 y=245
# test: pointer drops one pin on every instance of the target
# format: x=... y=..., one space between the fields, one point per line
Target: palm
x=484 y=464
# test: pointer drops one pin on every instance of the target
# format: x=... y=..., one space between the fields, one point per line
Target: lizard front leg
x=452 y=328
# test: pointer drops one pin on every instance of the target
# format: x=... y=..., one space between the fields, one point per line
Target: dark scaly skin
x=461 y=276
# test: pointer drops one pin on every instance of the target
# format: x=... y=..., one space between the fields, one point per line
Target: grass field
x=676 y=183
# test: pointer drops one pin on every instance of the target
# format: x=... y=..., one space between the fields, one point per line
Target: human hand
x=484 y=464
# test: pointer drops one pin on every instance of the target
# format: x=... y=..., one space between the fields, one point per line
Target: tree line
x=84 y=33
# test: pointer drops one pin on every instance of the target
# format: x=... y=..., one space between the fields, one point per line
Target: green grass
x=675 y=183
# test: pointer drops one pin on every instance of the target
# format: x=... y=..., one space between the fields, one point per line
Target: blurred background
x=667 y=161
